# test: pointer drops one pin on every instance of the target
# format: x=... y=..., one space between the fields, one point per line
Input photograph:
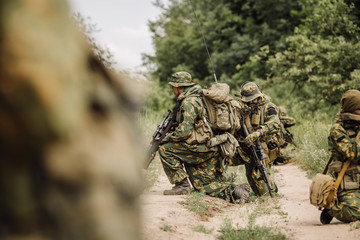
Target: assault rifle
x=289 y=138
x=165 y=126
x=258 y=156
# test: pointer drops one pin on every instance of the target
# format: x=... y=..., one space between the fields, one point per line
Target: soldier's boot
x=325 y=217
x=241 y=193
x=278 y=161
x=181 y=188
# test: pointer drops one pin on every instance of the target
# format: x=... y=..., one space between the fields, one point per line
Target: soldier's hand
x=251 y=138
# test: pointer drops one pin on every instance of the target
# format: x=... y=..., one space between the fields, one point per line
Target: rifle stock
x=258 y=157
x=289 y=137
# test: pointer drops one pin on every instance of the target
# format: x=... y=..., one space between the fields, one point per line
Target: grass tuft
x=252 y=232
x=165 y=227
x=202 y=229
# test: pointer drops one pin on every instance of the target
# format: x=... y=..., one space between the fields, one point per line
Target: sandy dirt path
x=164 y=217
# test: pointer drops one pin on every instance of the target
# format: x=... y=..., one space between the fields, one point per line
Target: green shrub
x=311 y=137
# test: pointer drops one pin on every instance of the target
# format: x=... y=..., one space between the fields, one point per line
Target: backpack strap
x=338 y=180
x=232 y=118
x=262 y=117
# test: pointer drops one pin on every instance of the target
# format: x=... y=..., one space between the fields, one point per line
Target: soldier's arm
x=271 y=121
x=189 y=114
x=288 y=121
x=347 y=148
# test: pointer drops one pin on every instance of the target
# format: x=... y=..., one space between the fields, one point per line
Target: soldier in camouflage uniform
x=344 y=144
x=262 y=120
x=177 y=151
x=287 y=146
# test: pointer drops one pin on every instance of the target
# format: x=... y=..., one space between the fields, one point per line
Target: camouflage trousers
x=286 y=154
x=253 y=175
x=256 y=181
x=200 y=168
x=347 y=207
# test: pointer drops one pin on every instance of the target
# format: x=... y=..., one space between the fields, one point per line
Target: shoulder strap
x=341 y=174
x=262 y=120
x=338 y=180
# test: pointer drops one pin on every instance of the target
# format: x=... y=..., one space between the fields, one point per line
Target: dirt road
x=164 y=217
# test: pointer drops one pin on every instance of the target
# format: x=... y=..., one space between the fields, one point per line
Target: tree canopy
x=308 y=49
x=234 y=31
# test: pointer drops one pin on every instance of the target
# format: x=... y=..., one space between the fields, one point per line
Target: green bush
x=311 y=136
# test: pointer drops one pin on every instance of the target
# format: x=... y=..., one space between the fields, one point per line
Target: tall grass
x=311 y=136
x=148 y=123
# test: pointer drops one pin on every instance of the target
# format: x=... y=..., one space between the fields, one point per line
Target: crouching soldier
x=261 y=119
x=344 y=145
x=184 y=153
x=288 y=146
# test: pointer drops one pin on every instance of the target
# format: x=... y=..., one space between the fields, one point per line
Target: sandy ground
x=164 y=217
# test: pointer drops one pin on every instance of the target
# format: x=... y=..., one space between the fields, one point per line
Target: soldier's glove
x=251 y=138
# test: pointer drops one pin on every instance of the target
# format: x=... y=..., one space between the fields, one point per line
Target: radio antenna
x=203 y=37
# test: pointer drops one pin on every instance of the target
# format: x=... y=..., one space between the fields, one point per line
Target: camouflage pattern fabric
x=200 y=169
x=181 y=79
x=287 y=121
x=271 y=128
x=191 y=110
x=344 y=147
x=286 y=153
x=199 y=160
x=71 y=162
x=347 y=207
x=249 y=92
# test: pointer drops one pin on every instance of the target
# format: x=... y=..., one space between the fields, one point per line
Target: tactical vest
x=201 y=132
x=270 y=145
x=351 y=179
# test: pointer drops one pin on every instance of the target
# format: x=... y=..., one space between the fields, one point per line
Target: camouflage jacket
x=269 y=122
x=344 y=144
x=191 y=111
x=271 y=130
x=271 y=126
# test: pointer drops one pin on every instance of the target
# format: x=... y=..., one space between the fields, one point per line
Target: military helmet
x=282 y=111
x=249 y=91
x=181 y=79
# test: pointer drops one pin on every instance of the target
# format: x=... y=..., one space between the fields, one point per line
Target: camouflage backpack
x=223 y=110
x=224 y=119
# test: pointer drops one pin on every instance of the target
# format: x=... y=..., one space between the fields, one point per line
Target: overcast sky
x=123 y=25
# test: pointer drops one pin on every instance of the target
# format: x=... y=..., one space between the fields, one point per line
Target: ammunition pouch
x=228 y=144
x=321 y=187
x=351 y=179
x=273 y=150
x=228 y=147
x=201 y=133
